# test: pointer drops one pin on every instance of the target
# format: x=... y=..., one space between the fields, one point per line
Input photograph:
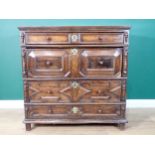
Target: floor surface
x=141 y=122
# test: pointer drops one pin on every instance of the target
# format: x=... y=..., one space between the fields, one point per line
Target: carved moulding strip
x=24 y=68
x=123 y=90
x=22 y=38
x=126 y=37
x=125 y=61
x=26 y=93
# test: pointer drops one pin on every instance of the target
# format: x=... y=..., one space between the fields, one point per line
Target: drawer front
x=102 y=38
x=101 y=62
x=48 y=62
x=46 y=38
x=72 y=111
x=74 y=38
x=74 y=62
x=94 y=91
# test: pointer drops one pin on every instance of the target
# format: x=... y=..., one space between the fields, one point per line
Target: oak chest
x=74 y=75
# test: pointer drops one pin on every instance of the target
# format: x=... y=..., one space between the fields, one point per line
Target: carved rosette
x=125 y=61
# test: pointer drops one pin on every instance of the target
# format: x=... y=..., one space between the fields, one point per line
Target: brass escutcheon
x=74 y=37
x=74 y=51
x=74 y=85
x=75 y=110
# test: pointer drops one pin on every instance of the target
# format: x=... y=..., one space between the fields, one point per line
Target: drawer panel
x=46 y=38
x=102 y=38
x=74 y=38
x=47 y=91
x=71 y=111
x=83 y=91
x=104 y=62
x=48 y=62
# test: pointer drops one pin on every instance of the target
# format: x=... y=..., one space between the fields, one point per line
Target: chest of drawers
x=74 y=75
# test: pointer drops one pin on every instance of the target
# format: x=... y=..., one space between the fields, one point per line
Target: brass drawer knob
x=74 y=37
x=74 y=51
x=75 y=110
x=74 y=85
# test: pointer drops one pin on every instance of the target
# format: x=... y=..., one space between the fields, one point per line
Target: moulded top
x=74 y=28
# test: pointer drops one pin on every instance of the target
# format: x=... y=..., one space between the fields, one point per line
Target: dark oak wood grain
x=74 y=75
x=74 y=91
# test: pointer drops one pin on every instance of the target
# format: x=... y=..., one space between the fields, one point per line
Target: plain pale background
x=141 y=73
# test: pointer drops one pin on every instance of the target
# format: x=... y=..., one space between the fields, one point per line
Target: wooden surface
x=78 y=62
x=75 y=28
x=141 y=121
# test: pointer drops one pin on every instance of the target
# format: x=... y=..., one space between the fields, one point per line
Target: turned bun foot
x=28 y=126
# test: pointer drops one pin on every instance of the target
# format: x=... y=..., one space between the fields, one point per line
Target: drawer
x=74 y=38
x=74 y=62
x=102 y=38
x=47 y=62
x=46 y=38
x=71 y=111
x=82 y=91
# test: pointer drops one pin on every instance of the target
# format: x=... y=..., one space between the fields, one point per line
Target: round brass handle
x=74 y=51
x=48 y=63
x=74 y=38
x=75 y=110
x=74 y=85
